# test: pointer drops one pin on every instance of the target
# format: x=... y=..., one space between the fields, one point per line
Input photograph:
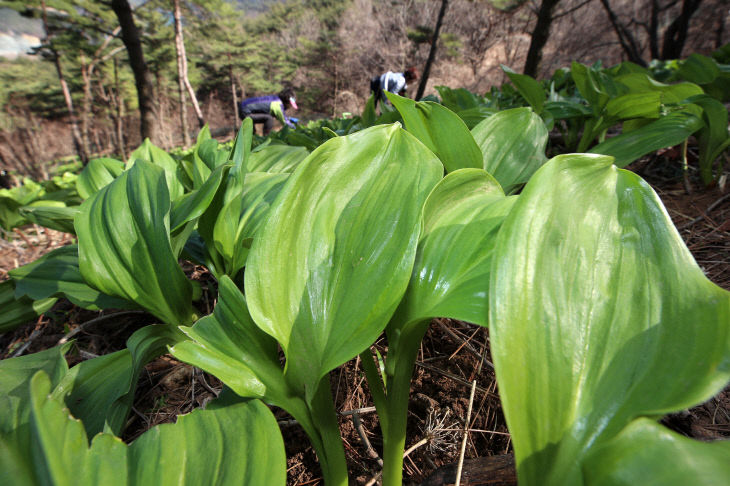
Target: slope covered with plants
x=341 y=241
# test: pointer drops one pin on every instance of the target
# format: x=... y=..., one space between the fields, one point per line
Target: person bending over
x=263 y=109
x=393 y=83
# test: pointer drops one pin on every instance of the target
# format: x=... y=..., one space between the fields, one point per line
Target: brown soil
x=452 y=354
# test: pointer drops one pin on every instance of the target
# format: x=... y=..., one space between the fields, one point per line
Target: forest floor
x=452 y=355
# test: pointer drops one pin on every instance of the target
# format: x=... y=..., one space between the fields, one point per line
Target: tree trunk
x=676 y=33
x=142 y=80
x=118 y=120
x=539 y=37
x=654 y=30
x=719 y=31
x=625 y=38
x=179 y=50
x=78 y=141
x=86 y=105
x=233 y=92
x=77 y=138
x=183 y=63
x=432 y=52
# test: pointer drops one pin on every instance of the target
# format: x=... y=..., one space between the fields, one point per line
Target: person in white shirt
x=393 y=83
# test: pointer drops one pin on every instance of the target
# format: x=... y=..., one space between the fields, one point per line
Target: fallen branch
x=466 y=433
x=96 y=320
x=705 y=214
x=372 y=454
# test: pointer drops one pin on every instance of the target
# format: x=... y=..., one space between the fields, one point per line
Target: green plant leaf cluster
x=598 y=342
x=573 y=264
x=237 y=439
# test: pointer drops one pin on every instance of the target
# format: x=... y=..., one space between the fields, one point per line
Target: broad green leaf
x=124 y=244
x=634 y=105
x=259 y=192
x=593 y=296
x=669 y=93
x=9 y=215
x=459 y=99
x=330 y=132
x=203 y=135
x=230 y=190
x=24 y=194
x=56 y=274
x=91 y=388
x=713 y=138
x=450 y=278
x=595 y=87
x=100 y=391
x=512 y=143
x=461 y=218
x=277 y=159
x=303 y=140
x=473 y=116
x=193 y=204
x=97 y=174
x=369 y=116
x=17 y=311
x=149 y=342
x=529 y=88
x=211 y=155
x=389 y=115
x=628 y=67
x=562 y=110
x=239 y=156
x=59 y=452
x=239 y=220
x=55 y=217
x=229 y=345
x=667 y=131
x=649 y=454
x=237 y=443
x=441 y=130
x=193 y=171
x=328 y=268
x=15 y=403
x=720 y=87
x=15 y=375
x=228 y=443
x=234 y=215
x=151 y=153
x=205 y=157
x=699 y=69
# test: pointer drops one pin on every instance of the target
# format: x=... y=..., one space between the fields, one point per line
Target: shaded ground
x=452 y=354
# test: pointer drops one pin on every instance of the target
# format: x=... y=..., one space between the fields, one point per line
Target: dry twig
x=706 y=213
x=466 y=433
x=96 y=320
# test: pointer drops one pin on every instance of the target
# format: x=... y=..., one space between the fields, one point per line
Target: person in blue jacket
x=263 y=109
x=393 y=83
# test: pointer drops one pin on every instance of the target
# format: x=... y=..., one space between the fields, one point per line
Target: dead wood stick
x=96 y=320
x=705 y=214
x=456 y=379
x=467 y=345
x=466 y=433
x=483 y=471
x=372 y=454
x=36 y=332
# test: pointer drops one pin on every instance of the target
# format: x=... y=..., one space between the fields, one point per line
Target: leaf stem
x=375 y=383
x=401 y=361
x=588 y=135
x=331 y=452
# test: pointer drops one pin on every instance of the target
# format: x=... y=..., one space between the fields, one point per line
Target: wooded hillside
x=326 y=49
